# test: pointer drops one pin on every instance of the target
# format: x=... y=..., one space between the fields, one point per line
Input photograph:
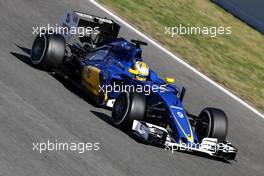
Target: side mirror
x=132 y=71
x=169 y=80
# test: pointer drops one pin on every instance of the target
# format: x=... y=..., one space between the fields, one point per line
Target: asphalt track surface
x=249 y=11
x=35 y=107
x=252 y=7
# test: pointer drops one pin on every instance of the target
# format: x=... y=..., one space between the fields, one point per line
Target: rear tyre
x=214 y=124
x=127 y=108
x=48 y=51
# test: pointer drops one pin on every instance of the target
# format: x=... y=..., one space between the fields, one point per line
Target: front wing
x=159 y=136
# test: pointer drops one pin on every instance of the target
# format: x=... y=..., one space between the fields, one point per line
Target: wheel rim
x=120 y=109
x=205 y=128
x=38 y=50
x=207 y=123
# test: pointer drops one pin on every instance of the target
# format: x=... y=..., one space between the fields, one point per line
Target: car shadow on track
x=22 y=57
x=25 y=58
x=106 y=118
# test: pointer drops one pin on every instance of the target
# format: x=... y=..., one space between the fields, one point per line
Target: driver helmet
x=143 y=70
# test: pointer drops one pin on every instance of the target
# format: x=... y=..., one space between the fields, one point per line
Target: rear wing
x=90 y=29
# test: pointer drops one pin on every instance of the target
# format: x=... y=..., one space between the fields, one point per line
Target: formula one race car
x=112 y=71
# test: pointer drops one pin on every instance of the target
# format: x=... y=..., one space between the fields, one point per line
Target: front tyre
x=127 y=108
x=48 y=51
x=214 y=124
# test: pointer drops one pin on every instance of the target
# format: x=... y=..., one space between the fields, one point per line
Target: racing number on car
x=180 y=115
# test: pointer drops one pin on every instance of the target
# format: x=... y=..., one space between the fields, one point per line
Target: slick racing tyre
x=48 y=51
x=214 y=124
x=127 y=108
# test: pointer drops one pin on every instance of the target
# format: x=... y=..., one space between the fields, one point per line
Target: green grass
x=235 y=61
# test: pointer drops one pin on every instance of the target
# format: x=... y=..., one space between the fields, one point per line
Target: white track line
x=178 y=59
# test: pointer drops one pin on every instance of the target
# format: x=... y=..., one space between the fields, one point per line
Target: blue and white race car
x=113 y=72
